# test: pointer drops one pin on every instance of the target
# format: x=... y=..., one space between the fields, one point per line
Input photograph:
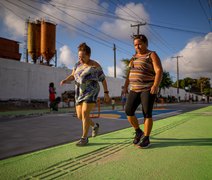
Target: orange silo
x=33 y=45
x=48 y=40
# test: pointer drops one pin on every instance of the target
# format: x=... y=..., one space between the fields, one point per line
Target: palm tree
x=204 y=83
x=166 y=81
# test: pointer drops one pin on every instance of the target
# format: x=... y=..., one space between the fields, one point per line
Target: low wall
x=25 y=81
x=20 y=81
x=183 y=95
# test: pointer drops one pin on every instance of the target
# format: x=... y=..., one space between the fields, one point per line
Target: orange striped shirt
x=142 y=73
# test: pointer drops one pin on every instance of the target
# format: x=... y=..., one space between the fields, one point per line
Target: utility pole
x=55 y=58
x=138 y=27
x=177 y=57
x=114 y=49
x=26 y=40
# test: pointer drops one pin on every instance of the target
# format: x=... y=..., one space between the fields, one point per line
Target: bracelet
x=106 y=92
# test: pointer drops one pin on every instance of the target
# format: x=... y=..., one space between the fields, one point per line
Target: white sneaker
x=95 y=130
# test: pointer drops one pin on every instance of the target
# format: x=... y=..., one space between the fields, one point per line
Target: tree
x=205 y=86
x=166 y=81
x=182 y=84
x=188 y=81
x=198 y=86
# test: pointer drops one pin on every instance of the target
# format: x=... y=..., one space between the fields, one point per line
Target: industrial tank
x=48 y=39
x=34 y=33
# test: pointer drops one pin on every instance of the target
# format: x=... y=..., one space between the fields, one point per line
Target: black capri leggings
x=146 y=99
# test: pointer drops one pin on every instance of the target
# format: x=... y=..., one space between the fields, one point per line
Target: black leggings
x=146 y=99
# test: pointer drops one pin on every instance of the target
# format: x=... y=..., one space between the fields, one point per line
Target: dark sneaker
x=95 y=130
x=138 y=136
x=145 y=143
x=82 y=142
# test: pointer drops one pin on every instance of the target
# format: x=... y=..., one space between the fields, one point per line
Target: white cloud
x=13 y=20
x=121 y=29
x=70 y=12
x=119 y=70
x=196 y=59
x=105 y=5
x=15 y=26
x=65 y=12
x=66 y=57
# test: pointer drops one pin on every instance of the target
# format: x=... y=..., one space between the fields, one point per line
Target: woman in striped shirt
x=144 y=79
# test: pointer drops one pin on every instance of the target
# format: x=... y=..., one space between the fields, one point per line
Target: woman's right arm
x=68 y=78
x=126 y=84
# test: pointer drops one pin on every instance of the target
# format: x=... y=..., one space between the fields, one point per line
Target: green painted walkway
x=181 y=149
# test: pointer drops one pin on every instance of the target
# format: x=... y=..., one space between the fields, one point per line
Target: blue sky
x=173 y=28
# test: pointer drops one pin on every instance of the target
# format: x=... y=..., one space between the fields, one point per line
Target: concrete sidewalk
x=181 y=149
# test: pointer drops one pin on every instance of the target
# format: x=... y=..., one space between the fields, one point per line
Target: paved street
x=31 y=133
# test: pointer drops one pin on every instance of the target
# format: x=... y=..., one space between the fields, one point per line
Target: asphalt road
x=22 y=135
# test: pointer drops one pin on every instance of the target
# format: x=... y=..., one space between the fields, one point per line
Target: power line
x=122 y=8
x=207 y=18
x=98 y=39
x=177 y=29
x=157 y=36
x=66 y=23
x=120 y=49
x=102 y=41
x=11 y=11
x=144 y=21
x=61 y=21
x=94 y=12
x=138 y=27
x=95 y=40
x=107 y=35
x=21 y=7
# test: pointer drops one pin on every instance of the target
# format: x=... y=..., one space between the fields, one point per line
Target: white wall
x=182 y=93
x=25 y=81
x=114 y=86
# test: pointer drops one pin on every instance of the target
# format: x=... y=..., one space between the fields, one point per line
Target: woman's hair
x=84 y=47
x=51 y=84
x=142 y=37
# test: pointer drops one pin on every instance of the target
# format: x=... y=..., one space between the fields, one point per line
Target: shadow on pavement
x=166 y=142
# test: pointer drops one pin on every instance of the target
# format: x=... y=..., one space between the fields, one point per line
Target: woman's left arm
x=102 y=78
x=158 y=72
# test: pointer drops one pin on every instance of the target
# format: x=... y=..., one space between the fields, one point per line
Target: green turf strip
x=181 y=149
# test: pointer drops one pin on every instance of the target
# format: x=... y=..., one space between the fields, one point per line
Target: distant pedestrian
x=185 y=97
x=144 y=78
x=53 y=101
x=86 y=74
x=52 y=92
x=123 y=98
x=113 y=103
